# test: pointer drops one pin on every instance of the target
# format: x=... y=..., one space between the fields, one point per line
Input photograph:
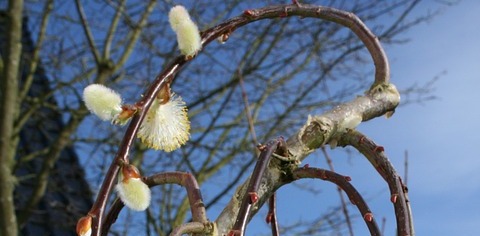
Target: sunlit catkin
x=102 y=101
x=133 y=192
x=188 y=36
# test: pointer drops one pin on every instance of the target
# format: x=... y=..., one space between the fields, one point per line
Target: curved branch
x=342 y=182
x=347 y=19
x=376 y=156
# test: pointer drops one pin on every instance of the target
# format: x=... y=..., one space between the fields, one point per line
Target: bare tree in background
x=275 y=68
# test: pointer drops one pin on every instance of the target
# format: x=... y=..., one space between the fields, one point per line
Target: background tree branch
x=9 y=110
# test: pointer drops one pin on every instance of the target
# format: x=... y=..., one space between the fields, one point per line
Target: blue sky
x=440 y=135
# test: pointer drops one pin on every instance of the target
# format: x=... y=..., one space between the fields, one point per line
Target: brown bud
x=253 y=197
x=130 y=171
x=84 y=226
x=164 y=94
x=368 y=217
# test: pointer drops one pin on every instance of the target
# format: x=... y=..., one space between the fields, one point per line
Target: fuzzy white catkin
x=134 y=193
x=188 y=36
x=166 y=126
x=102 y=101
x=177 y=15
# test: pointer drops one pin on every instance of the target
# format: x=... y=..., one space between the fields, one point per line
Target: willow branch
x=347 y=19
x=381 y=98
x=376 y=156
x=250 y=197
x=272 y=215
x=342 y=182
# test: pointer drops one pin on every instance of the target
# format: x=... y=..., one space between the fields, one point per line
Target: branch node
x=393 y=198
x=379 y=149
x=269 y=217
x=261 y=147
x=368 y=217
x=234 y=233
x=253 y=197
x=250 y=13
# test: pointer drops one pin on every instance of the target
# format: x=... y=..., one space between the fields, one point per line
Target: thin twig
x=88 y=32
x=113 y=27
x=272 y=215
x=406 y=194
x=384 y=222
x=342 y=199
x=251 y=125
x=405 y=175
x=36 y=51
x=135 y=34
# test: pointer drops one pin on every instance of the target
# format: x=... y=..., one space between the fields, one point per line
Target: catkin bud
x=84 y=226
x=102 y=101
x=133 y=192
x=188 y=36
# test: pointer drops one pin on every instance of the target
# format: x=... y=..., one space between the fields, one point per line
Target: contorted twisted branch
x=381 y=98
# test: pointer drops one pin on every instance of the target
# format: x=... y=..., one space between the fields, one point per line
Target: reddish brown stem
x=342 y=182
x=247 y=202
x=381 y=163
x=347 y=19
x=272 y=215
